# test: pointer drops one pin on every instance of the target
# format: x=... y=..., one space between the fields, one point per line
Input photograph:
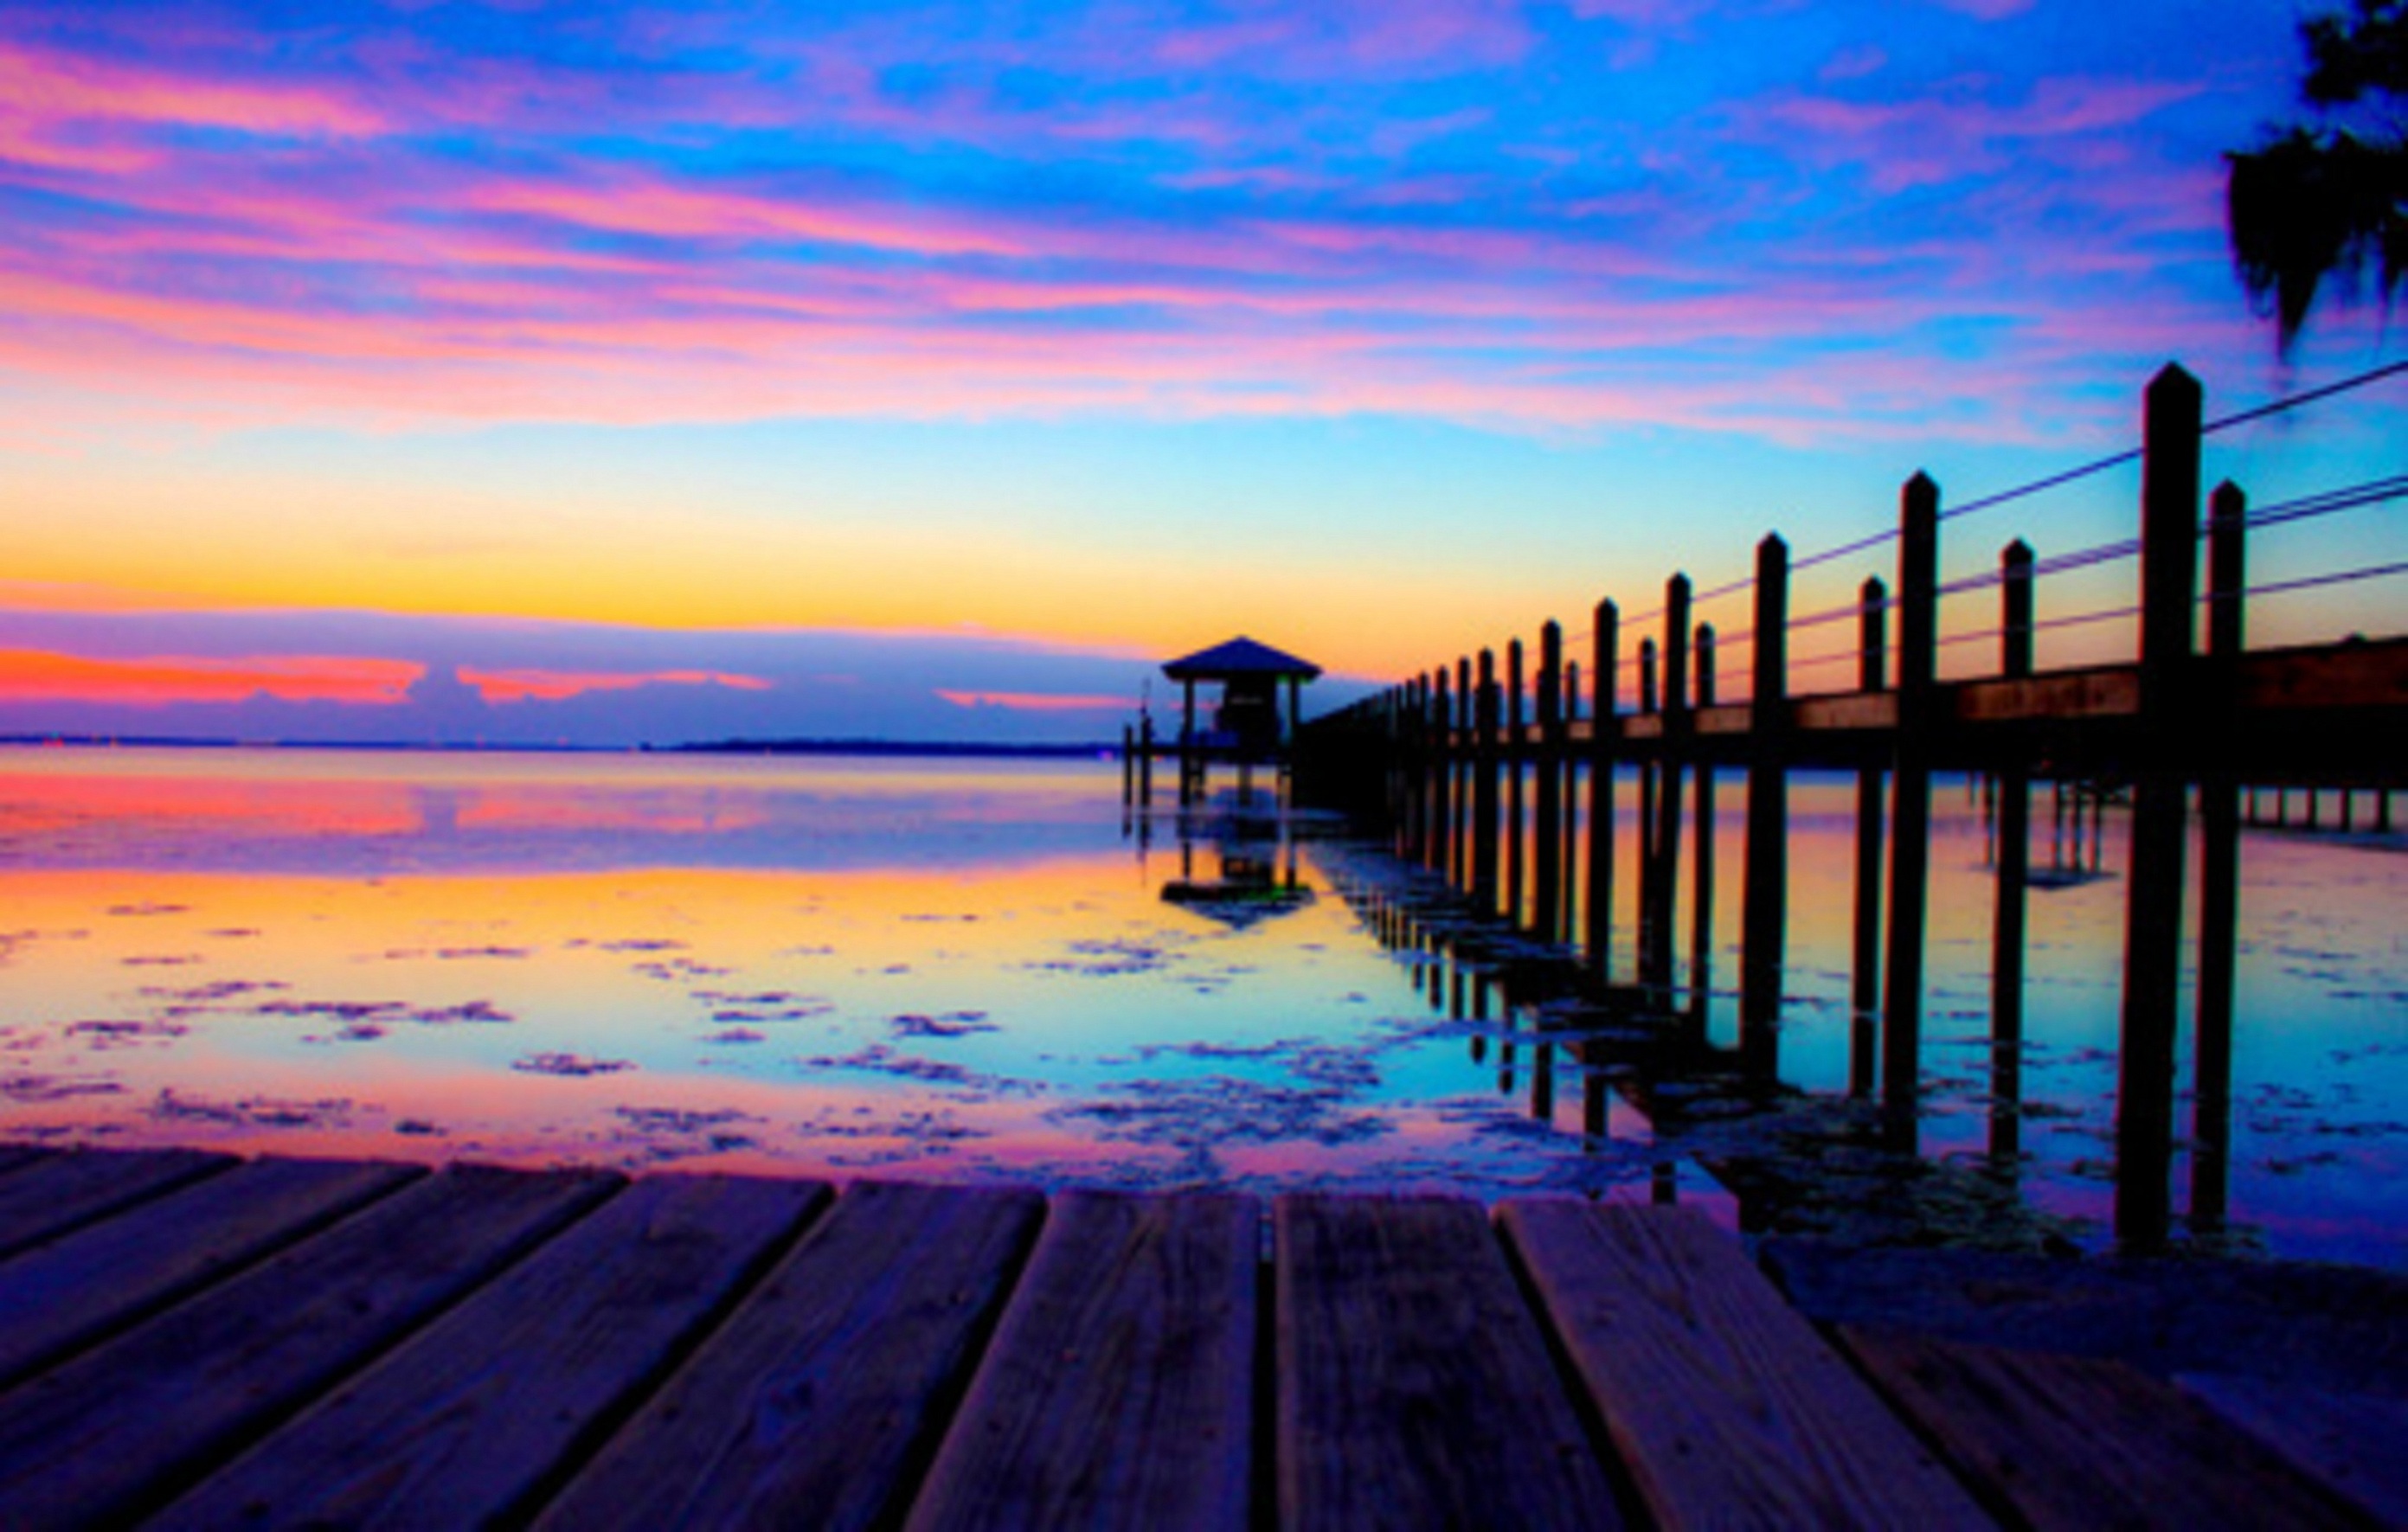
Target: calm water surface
x=973 y=971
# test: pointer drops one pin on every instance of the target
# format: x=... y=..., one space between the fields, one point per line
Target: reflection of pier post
x=1604 y=725
x=2219 y=875
x=1910 y=859
x=2153 y=920
x=1764 y=912
x=1864 y=988
x=2012 y=825
x=1547 y=874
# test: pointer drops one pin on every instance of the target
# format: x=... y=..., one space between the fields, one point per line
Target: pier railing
x=1477 y=771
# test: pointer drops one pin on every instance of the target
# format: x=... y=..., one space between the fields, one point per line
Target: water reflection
x=981 y=973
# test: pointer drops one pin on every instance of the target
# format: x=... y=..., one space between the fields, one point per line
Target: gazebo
x=1249 y=727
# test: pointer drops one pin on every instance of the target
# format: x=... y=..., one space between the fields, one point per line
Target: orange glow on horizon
x=158 y=680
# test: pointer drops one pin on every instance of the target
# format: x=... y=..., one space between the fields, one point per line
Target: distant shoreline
x=891 y=747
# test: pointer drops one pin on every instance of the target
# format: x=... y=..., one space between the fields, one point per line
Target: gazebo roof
x=1240 y=657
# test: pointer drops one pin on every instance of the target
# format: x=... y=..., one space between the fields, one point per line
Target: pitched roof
x=1240 y=657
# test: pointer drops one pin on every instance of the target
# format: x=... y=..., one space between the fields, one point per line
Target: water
x=981 y=972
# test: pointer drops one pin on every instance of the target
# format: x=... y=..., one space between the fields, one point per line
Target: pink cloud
x=1036 y=702
x=42 y=86
x=159 y=680
x=497 y=686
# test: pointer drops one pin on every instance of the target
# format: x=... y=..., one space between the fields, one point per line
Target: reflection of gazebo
x=1250 y=727
x=1252 y=887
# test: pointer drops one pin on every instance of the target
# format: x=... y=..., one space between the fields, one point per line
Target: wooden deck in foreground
x=188 y=1341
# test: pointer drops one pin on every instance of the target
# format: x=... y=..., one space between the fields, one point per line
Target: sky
x=627 y=373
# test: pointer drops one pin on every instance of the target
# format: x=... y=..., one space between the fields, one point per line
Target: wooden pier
x=190 y=1340
x=1508 y=790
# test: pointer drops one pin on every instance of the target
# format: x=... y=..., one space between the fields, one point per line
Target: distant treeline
x=890 y=747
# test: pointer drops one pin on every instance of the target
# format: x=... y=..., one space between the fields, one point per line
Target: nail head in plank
x=2356 y=1443
x=823 y=1392
x=1416 y=1386
x=1727 y=1406
x=64 y=1294
x=111 y=1434
x=464 y=1420
x=62 y=1191
x=2080 y=1442
x=1119 y=1389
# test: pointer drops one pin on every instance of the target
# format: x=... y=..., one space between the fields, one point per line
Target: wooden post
x=2219 y=871
x=2012 y=786
x=1466 y=772
x=1442 y=845
x=1764 y=896
x=1872 y=635
x=2016 y=609
x=1548 y=835
x=1569 y=858
x=1647 y=676
x=1146 y=760
x=1484 y=788
x=1187 y=783
x=1910 y=861
x=2153 y=918
x=1676 y=650
x=1514 y=757
x=1604 y=674
x=1128 y=764
x=1702 y=900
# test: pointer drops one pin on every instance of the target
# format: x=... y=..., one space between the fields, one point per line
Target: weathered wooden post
x=2153 y=918
x=1466 y=772
x=1701 y=899
x=1442 y=846
x=1910 y=861
x=1568 y=859
x=1764 y=907
x=1190 y=765
x=1484 y=785
x=1128 y=764
x=1656 y=924
x=1516 y=748
x=2012 y=865
x=1604 y=734
x=1146 y=760
x=1548 y=839
x=2219 y=871
x=1864 y=986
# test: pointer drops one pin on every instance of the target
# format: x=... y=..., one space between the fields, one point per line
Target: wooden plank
x=822 y=1394
x=1846 y=712
x=1728 y=1410
x=62 y=1191
x=60 y=1297
x=1415 y=1388
x=2345 y=674
x=463 y=1424
x=2112 y=692
x=2356 y=1443
x=2082 y=1442
x=114 y=1433
x=1119 y=1390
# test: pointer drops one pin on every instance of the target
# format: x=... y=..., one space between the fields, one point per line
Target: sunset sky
x=626 y=372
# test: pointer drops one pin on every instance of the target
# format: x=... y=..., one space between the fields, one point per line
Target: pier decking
x=190 y=1340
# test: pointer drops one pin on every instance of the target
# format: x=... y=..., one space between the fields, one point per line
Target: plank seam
x=1627 y=1498
x=192 y=1176
x=184 y=1478
x=588 y=1444
x=945 y=1401
x=1989 y=1496
x=200 y=1286
x=1262 y=1509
